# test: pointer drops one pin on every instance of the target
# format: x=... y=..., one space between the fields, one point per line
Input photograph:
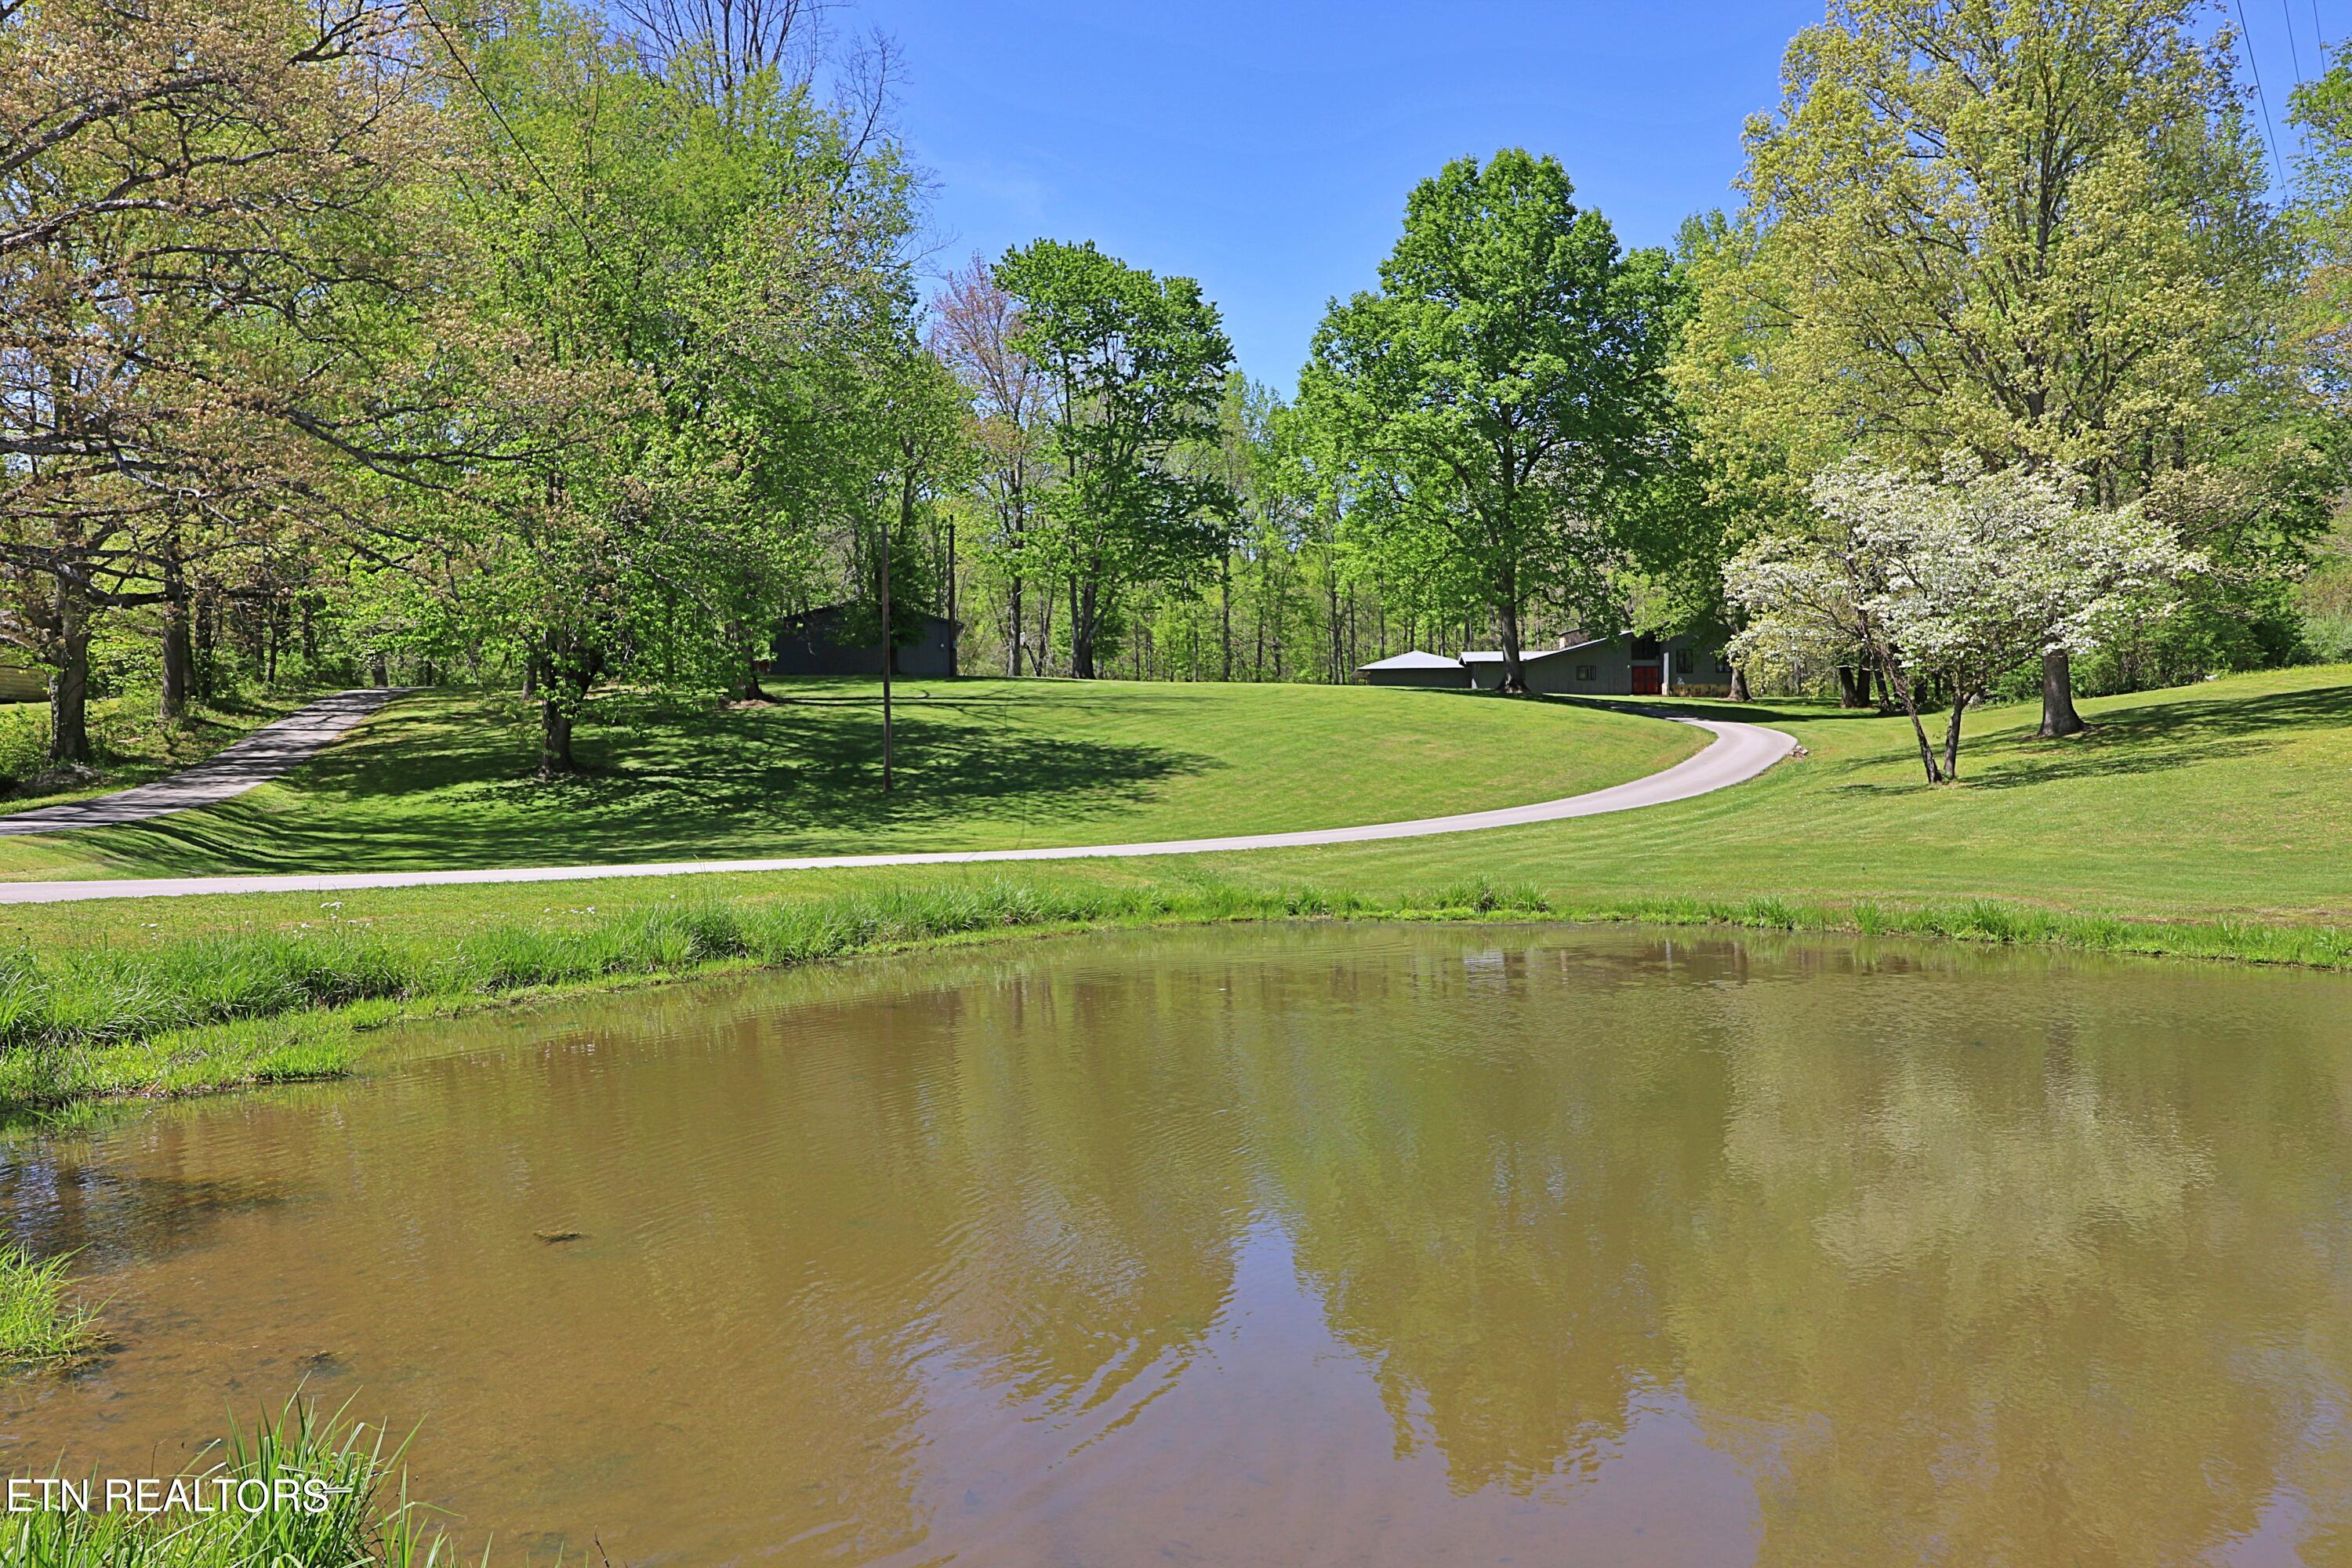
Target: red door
x=1645 y=680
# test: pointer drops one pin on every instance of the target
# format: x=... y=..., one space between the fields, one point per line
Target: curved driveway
x=1737 y=754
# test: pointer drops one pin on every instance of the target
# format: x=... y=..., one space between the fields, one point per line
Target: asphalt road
x=1737 y=754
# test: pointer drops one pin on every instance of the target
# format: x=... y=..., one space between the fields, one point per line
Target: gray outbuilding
x=818 y=642
x=1433 y=670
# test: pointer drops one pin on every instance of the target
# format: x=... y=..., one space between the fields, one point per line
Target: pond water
x=1306 y=1244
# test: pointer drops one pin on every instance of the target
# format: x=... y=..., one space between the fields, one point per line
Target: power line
x=2270 y=136
x=467 y=68
x=2293 y=54
x=2319 y=33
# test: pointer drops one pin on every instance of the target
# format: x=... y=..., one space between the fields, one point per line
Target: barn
x=1432 y=670
x=820 y=642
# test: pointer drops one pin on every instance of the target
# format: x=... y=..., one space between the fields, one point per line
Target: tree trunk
x=179 y=653
x=1854 y=685
x=70 y=687
x=1514 y=675
x=1037 y=662
x=1901 y=682
x=379 y=669
x=554 y=740
x=1226 y=611
x=2058 y=715
x=202 y=667
x=1331 y=614
x=1013 y=650
x=889 y=643
x=1083 y=612
x=1739 y=684
x=1952 y=737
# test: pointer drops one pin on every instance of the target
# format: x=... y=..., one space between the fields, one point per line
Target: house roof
x=1416 y=659
x=834 y=612
x=1529 y=656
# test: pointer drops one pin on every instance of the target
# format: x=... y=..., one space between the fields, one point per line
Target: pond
x=1284 y=1246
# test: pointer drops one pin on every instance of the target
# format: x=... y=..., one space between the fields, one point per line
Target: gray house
x=1620 y=666
x=1416 y=669
x=817 y=642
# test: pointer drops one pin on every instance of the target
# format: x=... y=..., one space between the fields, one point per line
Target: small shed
x=1433 y=670
x=818 y=642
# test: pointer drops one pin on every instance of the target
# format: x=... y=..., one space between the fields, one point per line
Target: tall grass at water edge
x=59 y=1006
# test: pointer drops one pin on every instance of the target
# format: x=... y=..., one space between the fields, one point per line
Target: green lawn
x=2215 y=820
x=2232 y=799
x=444 y=779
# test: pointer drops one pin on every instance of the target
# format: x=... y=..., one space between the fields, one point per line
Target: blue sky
x=1266 y=147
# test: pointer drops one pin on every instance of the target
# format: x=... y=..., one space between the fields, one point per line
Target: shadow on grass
x=454 y=790
x=2146 y=738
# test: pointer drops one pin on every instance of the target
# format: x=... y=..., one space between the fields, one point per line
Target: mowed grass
x=443 y=779
x=2211 y=822
x=2229 y=800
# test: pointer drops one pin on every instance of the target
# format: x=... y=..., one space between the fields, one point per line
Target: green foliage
x=1497 y=394
x=1137 y=364
x=2037 y=235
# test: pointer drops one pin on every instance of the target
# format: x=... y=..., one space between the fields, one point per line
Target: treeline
x=382 y=339
x=356 y=337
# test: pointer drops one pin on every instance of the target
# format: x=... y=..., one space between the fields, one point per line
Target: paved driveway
x=231 y=771
x=1738 y=752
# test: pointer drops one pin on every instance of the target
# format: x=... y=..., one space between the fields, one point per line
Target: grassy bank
x=356 y=1516
x=444 y=779
x=263 y=1007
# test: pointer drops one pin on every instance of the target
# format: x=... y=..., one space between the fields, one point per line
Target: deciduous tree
x=1498 y=389
x=2035 y=232
x=1953 y=579
x=1135 y=365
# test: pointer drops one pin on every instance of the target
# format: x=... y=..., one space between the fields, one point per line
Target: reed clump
x=38 y=1322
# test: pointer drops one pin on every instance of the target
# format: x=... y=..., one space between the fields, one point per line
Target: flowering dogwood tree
x=1953 y=579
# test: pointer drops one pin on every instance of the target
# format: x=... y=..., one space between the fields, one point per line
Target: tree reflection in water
x=1431 y=1243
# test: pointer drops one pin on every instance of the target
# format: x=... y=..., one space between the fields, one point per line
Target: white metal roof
x=1528 y=654
x=1416 y=659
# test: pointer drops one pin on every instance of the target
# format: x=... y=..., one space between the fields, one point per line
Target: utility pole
x=886 y=652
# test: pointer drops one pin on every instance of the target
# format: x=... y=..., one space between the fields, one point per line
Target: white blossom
x=1957 y=577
